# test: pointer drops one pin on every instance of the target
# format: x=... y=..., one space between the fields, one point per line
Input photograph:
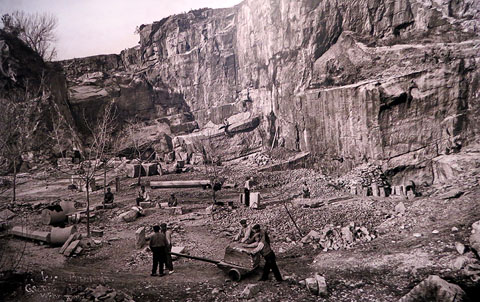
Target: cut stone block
x=255 y=200
x=435 y=289
x=6 y=214
x=146 y=204
x=97 y=233
x=23 y=232
x=250 y=291
x=178 y=210
x=178 y=250
x=140 y=238
x=375 y=192
x=67 y=243
x=128 y=216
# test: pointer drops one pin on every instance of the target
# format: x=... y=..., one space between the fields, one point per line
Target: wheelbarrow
x=235 y=263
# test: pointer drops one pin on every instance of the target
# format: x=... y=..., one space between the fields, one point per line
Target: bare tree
x=140 y=146
x=212 y=161
x=19 y=122
x=96 y=155
x=36 y=30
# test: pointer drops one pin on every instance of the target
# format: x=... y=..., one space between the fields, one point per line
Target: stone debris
x=71 y=248
x=367 y=179
x=452 y=194
x=435 y=288
x=475 y=236
x=6 y=215
x=73 y=237
x=140 y=238
x=334 y=238
x=400 y=208
x=462 y=261
x=250 y=291
x=460 y=247
x=262 y=159
x=97 y=233
x=473 y=271
x=317 y=285
x=99 y=293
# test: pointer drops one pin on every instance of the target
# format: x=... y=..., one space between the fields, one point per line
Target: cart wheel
x=235 y=275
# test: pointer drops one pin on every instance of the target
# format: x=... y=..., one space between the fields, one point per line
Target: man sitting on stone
x=142 y=195
x=108 y=198
x=172 y=202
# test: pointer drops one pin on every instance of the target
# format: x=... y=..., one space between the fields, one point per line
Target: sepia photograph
x=240 y=150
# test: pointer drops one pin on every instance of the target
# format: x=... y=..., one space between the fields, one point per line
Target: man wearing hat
x=262 y=245
x=245 y=232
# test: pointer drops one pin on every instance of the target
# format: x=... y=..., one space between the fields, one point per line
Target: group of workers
x=160 y=243
x=252 y=239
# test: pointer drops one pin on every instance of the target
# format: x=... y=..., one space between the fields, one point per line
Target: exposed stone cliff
x=395 y=82
x=26 y=78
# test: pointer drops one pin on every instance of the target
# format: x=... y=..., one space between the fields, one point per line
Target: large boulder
x=475 y=237
x=436 y=289
x=250 y=291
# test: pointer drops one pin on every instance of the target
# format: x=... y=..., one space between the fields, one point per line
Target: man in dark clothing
x=262 y=245
x=173 y=201
x=246 y=190
x=108 y=198
x=158 y=245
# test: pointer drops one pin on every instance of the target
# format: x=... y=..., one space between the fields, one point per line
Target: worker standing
x=158 y=246
x=246 y=190
x=261 y=245
x=168 y=236
x=244 y=233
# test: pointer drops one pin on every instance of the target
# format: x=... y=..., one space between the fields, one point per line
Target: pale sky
x=93 y=27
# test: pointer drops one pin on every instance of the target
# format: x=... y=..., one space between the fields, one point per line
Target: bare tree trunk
x=104 y=181
x=213 y=193
x=14 y=180
x=88 y=206
x=140 y=174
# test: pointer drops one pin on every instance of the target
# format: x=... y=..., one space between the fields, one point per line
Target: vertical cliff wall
x=350 y=81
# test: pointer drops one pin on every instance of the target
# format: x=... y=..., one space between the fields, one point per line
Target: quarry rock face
x=395 y=83
x=26 y=78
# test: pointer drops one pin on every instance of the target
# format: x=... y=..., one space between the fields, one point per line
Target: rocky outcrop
x=26 y=78
x=395 y=83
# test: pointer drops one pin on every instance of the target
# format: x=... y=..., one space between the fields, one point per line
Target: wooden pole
x=293 y=220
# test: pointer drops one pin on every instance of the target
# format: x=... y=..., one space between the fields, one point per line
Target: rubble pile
x=99 y=293
x=363 y=176
x=362 y=215
x=140 y=257
x=289 y=183
x=334 y=238
x=262 y=159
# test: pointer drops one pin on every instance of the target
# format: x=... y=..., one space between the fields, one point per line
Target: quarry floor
x=383 y=269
